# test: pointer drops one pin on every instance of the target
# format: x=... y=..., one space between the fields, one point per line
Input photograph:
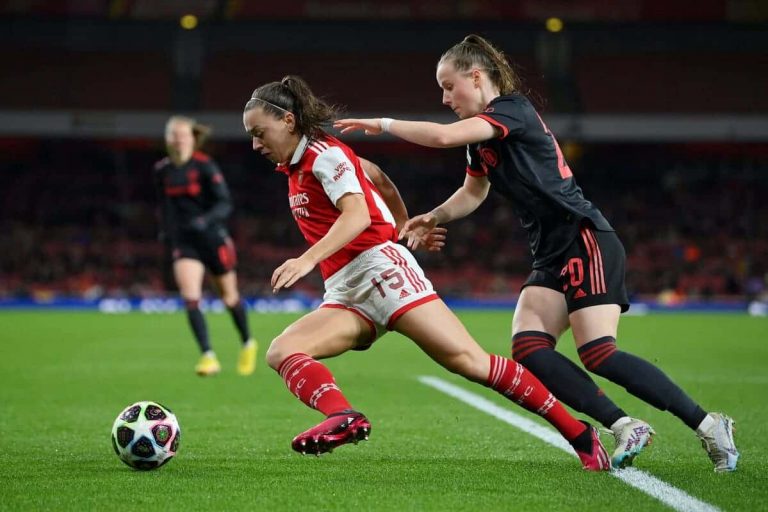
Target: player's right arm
x=463 y=202
x=425 y=133
x=165 y=216
x=353 y=220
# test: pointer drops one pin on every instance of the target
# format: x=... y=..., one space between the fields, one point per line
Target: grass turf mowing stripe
x=671 y=496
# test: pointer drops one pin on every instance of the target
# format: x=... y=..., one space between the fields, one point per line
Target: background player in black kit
x=195 y=204
x=578 y=271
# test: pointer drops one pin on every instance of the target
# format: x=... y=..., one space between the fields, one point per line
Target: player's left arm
x=352 y=221
x=388 y=191
x=425 y=133
x=433 y=240
x=222 y=205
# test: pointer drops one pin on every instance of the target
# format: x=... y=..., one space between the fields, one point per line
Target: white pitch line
x=671 y=496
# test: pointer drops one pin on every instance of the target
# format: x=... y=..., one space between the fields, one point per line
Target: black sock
x=566 y=380
x=240 y=318
x=197 y=323
x=640 y=378
x=583 y=442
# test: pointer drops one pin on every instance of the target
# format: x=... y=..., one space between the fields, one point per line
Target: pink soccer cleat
x=597 y=458
x=337 y=429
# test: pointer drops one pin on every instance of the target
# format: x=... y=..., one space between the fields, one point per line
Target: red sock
x=521 y=386
x=312 y=383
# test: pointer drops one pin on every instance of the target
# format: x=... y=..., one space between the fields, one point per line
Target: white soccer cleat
x=631 y=437
x=718 y=441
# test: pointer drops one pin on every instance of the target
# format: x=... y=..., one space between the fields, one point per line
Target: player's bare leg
x=444 y=338
x=226 y=285
x=189 y=274
x=294 y=354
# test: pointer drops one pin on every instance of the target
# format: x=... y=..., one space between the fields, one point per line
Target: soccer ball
x=146 y=435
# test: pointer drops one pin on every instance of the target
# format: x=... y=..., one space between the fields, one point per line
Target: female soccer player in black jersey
x=577 y=279
x=349 y=213
x=195 y=204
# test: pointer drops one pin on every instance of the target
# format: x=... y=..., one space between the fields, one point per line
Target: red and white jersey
x=321 y=171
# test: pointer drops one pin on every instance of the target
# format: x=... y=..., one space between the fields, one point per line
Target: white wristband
x=386 y=122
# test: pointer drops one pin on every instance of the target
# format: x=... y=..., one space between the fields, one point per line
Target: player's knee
x=527 y=343
x=275 y=354
x=467 y=364
x=596 y=352
x=230 y=299
x=191 y=303
x=282 y=347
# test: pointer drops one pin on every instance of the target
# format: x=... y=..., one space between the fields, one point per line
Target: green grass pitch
x=65 y=376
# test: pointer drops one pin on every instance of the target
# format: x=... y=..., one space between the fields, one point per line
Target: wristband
x=386 y=122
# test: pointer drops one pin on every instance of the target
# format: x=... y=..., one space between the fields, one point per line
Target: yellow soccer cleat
x=207 y=365
x=246 y=360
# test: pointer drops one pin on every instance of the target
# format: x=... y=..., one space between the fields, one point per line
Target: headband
x=271 y=104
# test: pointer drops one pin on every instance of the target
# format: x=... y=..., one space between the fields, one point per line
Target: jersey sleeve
x=507 y=115
x=474 y=164
x=222 y=201
x=336 y=173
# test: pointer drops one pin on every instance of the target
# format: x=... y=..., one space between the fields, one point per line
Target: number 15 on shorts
x=391 y=278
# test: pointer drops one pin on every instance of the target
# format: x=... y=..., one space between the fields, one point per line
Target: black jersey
x=194 y=197
x=526 y=166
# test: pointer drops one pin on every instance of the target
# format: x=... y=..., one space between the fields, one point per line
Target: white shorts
x=380 y=285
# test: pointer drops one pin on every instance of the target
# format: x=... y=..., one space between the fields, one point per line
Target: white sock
x=620 y=422
x=705 y=424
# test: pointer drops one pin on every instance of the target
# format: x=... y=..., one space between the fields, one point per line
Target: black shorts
x=589 y=273
x=214 y=248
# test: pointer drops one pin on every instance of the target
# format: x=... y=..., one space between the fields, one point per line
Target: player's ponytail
x=311 y=112
x=476 y=51
x=200 y=132
x=292 y=94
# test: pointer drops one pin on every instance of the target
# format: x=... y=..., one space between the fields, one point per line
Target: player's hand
x=289 y=272
x=435 y=239
x=418 y=231
x=369 y=126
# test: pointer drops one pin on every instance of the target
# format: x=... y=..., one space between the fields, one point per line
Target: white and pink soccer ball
x=146 y=435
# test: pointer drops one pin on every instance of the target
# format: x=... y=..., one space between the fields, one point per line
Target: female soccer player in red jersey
x=345 y=207
x=578 y=271
x=195 y=204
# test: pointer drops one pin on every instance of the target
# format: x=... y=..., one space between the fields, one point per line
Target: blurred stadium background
x=660 y=107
